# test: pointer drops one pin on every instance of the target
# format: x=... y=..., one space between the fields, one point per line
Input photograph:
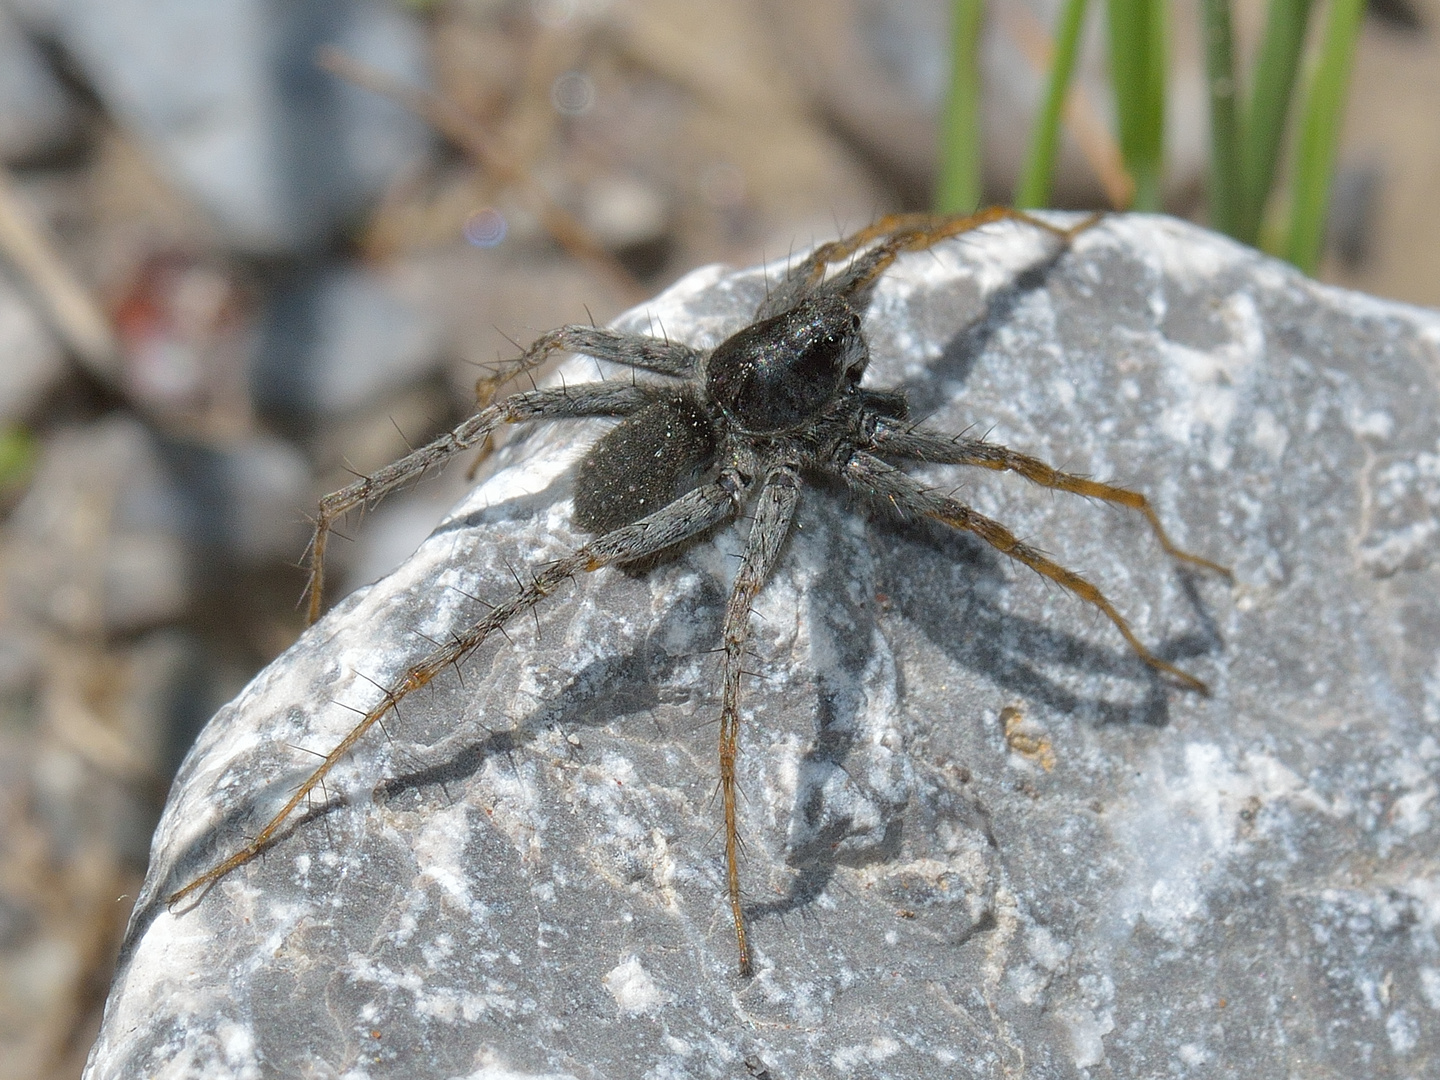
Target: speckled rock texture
x=982 y=839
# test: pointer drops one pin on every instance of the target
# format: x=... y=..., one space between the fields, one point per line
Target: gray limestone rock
x=982 y=839
x=36 y=114
x=34 y=362
x=339 y=337
x=119 y=524
x=227 y=96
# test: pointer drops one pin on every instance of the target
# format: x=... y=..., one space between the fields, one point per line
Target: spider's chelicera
x=738 y=427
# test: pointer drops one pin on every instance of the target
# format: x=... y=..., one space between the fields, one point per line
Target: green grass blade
x=1157 y=73
x=1126 y=72
x=958 y=190
x=1320 y=133
x=1264 y=124
x=18 y=452
x=1137 y=72
x=1225 y=197
x=1039 y=172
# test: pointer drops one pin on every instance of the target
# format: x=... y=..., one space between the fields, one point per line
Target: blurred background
x=249 y=248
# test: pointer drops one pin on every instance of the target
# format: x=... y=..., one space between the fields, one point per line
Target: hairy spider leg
x=648 y=354
x=564 y=403
x=659 y=355
x=694 y=513
x=873 y=477
x=867 y=268
x=918 y=444
x=892 y=236
x=774 y=512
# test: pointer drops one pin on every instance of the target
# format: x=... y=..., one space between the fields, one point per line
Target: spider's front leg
x=658 y=355
x=691 y=515
x=565 y=403
x=878 y=480
x=663 y=357
x=888 y=239
x=774 y=512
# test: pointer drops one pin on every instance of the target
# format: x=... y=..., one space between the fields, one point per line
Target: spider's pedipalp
x=872 y=477
x=908 y=443
x=774 y=511
x=568 y=403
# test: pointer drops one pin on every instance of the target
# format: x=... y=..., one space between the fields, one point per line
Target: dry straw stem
x=75 y=315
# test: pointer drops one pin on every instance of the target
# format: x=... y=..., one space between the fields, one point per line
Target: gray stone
x=33 y=362
x=36 y=115
x=339 y=337
x=119 y=524
x=228 y=97
x=982 y=839
x=97 y=537
x=244 y=502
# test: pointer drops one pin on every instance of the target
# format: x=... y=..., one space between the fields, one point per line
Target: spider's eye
x=777 y=374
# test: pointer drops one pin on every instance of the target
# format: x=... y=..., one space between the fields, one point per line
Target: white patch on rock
x=439 y=848
x=1376 y=424
x=1047 y=951
x=1087 y=1030
x=1181 y=830
x=1193 y=259
x=633 y=989
x=1208 y=385
x=491 y=1068
x=1268 y=434
x=1430 y=986
x=847 y=1058
x=1403 y=515
x=1399 y=549
x=237 y=1042
x=1402 y=1031
x=1192 y=1055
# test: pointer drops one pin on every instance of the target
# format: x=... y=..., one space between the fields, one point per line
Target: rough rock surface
x=982 y=839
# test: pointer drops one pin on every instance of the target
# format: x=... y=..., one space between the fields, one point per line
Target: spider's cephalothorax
x=780 y=374
x=721 y=432
x=785 y=389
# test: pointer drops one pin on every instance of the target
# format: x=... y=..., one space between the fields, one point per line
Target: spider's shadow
x=916 y=568
x=624 y=681
x=966 y=621
x=970 y=624
x=931 y=391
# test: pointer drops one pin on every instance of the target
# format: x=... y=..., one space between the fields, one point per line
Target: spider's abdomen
x=778 y=374
x=644 y=462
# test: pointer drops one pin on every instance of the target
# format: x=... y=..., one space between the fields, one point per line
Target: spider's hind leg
x=774 y=512
x=917 y=444
x=704 y=508
x=872 y=477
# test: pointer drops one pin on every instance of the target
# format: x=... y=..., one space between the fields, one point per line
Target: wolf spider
x=742 y=423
